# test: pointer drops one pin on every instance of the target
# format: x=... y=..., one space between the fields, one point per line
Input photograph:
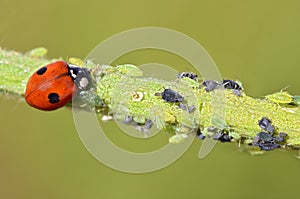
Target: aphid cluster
x=190 y=75
x=217 y=134
x=211 y=85
x=143 y=127
x=267 y=140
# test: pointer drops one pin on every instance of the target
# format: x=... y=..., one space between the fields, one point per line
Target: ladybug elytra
x=51 y=86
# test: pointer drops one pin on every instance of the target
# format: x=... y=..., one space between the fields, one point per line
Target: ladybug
x=51 y=86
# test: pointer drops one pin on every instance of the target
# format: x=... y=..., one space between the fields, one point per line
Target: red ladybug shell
x=50 y=87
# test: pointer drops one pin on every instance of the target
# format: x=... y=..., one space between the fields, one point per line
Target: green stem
x=118 y=90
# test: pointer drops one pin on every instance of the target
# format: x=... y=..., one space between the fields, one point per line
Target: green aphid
x=206 y=132
x=75 y=61
x=38 y=52
x=189 y=82
x=183 y=130
x=187 y=121
x=296 y=99
x=234 y=135
x=218 y=122
x=139 y=119
x=130 y=70
x=177 y=138
x=281 y=97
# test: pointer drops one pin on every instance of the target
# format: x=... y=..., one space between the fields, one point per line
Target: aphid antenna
x=284 y=88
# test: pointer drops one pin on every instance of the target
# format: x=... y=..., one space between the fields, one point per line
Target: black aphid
x=213 y=129
x=210 y=85
x=268 y=146
x=237 y=92
x=182 y=106
x=225 y=138
x=221 y=136
x=190 y=75
x=230 y=84
x=191 y=108
x=280 y=137
x=218 y=135
x=266 y=125
x=256 y=141
x=148 y=124
x=127 y=120
x=200 y=135
x=170 y=95
x=282 y=134
x=266 y=137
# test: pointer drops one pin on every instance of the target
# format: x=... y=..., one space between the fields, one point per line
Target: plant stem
x=117 y=91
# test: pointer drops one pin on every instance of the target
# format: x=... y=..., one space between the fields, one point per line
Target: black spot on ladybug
x=53 y=98
x=230 y=84
x=41 y=71
x=171 y=96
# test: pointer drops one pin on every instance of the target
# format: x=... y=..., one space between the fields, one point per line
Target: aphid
x=130 y=70
x=127 y=120
x=210 y=85
x=177 y=138
x=170 y=95
x=221 y=136
x=281 y=136
x=137 y=96
x=148 y=124
x=190 y=75
x=225 y=138
x=212 y=129
x=38 y=52
x=268 y=146
x=256 y=141
x=296 y=99
x=230 y=84
x=76 y=61
x=190 y=109
x=182 y=106
x=237 y=92
x=266 y=125
x=266 y=137
x=281 y=97
x=200 y=135
x=218 y=135
x=189 y=82
x=234 y=135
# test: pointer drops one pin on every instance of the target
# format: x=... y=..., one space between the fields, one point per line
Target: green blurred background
x=41 y=155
